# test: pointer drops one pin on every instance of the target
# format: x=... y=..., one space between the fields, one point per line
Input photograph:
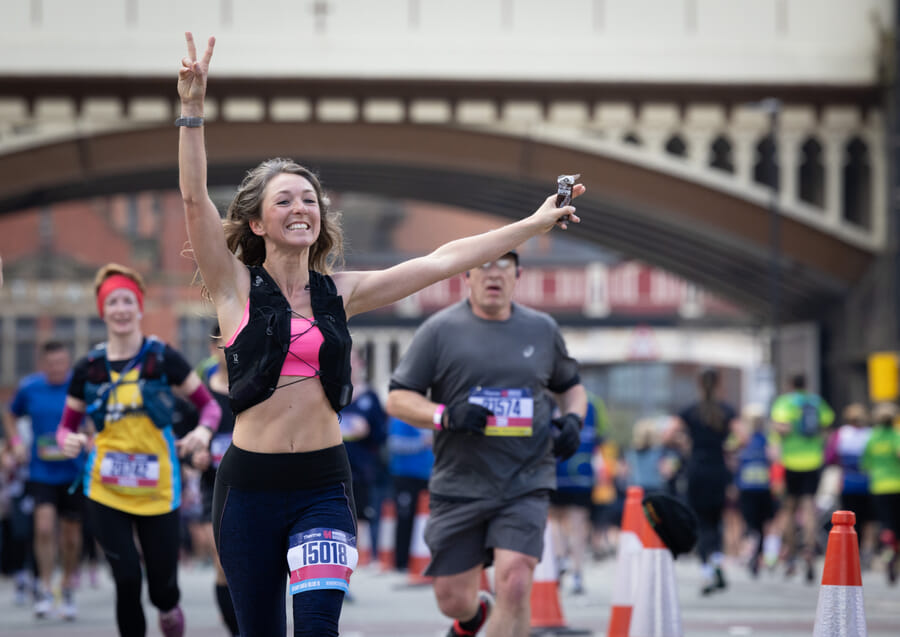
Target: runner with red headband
x=132 y=478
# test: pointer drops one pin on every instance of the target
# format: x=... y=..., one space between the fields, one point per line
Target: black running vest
x=256 y=356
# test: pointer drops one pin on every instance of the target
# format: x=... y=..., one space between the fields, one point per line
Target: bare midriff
x=293 y=419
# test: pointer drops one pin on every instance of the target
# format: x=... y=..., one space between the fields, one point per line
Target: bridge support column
x=865 y=322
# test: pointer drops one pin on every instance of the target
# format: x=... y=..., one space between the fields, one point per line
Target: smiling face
x=121 y=312
x=290 y=212
x=491 y=288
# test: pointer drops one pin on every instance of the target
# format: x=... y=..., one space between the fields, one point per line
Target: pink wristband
x=210 y=412
x=15 y=440
x=438 y=416
x=71 y=420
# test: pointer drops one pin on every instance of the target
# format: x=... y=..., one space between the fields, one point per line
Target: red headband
x=115 y=282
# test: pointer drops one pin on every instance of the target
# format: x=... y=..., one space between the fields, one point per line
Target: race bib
x=321 y=559
x=755 y=475
x=218 y=447
x=48 y=450
x=130 y=469
x=513 y=410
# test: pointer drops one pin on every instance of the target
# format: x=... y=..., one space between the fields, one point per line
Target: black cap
x=673 y=521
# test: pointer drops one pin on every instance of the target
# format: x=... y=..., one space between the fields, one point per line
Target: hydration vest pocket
x=159 y=403
x=95 y=397
x=809 y=420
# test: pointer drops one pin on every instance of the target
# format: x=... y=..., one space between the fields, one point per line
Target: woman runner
x=283 y=500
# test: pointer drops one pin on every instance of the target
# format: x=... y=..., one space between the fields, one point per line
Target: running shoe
x=721 y=584
x=753 y=565
x=486 y=600
x=68 y=610
x=891 y=567
x=171 y=623
x=577 y=584
x=716 y=583
x=93 y=578
x=21 y=596
x=810 y=571
x=43 y=604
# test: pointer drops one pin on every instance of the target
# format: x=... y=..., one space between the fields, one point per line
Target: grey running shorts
x=462 y=535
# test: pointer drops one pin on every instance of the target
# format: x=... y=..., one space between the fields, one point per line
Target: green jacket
x=803 y=449
x=881 y=460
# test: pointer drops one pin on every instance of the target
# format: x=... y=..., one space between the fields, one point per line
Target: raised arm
x=218 y=266
x=364 y=291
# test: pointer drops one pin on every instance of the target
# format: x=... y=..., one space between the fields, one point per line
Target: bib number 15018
x=324 y=552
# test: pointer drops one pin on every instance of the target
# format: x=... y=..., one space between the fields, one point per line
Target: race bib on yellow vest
x=130 y=469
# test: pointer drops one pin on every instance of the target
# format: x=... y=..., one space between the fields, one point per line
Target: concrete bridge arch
x=704 y=234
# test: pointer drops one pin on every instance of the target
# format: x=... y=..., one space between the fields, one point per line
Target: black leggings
x=709 y=532
x=406 y=495
x=261 y=500
x=159 y=538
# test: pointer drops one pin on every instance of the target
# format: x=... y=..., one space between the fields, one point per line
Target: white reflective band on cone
x=547 y=569
x=656 y=612
x=840 y=612
x=627 y=564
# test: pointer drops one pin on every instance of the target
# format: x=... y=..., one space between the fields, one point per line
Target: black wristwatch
x=189 y=122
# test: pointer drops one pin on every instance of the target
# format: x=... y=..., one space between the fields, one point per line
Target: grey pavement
x=384 y=605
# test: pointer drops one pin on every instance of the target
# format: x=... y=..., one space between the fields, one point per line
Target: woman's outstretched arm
x=364 y=291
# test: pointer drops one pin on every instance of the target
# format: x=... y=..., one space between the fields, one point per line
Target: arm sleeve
x=565 y=368
x=416 y=369
x=69 y=423
x=209 y=412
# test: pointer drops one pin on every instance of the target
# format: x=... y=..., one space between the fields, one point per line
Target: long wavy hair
x=710 y=411
x=324 y=254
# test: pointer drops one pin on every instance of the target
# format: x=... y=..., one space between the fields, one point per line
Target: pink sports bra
x=303 y=354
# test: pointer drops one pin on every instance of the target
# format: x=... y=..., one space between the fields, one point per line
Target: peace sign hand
x=192 y=76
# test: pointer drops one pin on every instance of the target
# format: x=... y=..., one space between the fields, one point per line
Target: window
x=857 y=183
x=26 y=345
x=193 y=337
x=765 y=170
x=646 y=387
x=676 y=146
x=632 y=139
x=96 y=332
x=812 y=173
x=720 y=155
x=64 y=331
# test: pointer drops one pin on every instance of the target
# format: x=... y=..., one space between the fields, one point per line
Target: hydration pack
x=156 y=394
x=809 y=418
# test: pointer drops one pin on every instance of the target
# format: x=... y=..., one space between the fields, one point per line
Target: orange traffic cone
x=419 y=555
x=387 y=529
x=363 y=543
x=546 y=611
x=655 y=611
x=627 y=561
x=840 y=610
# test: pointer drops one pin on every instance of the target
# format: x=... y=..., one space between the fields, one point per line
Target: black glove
x=566 y=436
x=466 y=417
